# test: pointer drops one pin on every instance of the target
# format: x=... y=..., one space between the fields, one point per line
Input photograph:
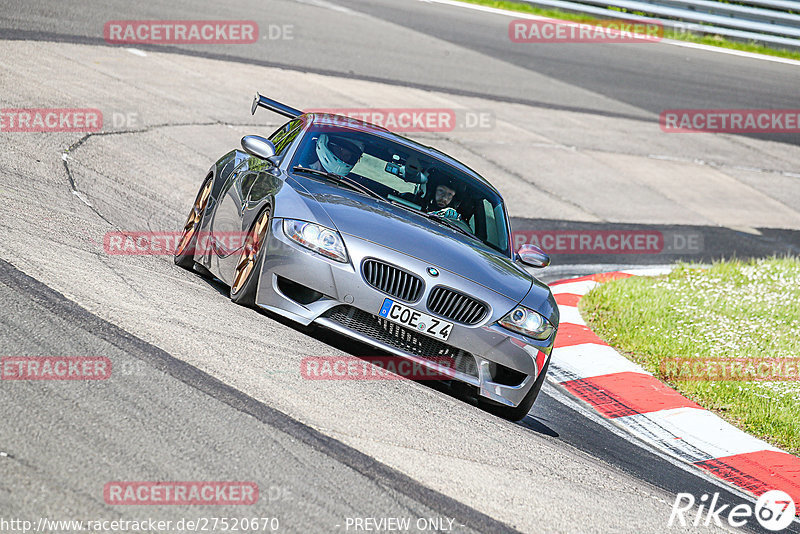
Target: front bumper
x=502 y=365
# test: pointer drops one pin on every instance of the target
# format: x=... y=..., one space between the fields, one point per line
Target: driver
x=336 y=154
x=442 y=202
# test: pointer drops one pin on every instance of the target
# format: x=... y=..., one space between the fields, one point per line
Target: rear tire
x=184 y=252
x=247 y=274
x=518 y=413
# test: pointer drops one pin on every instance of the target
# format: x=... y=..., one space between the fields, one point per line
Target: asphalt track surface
x=206 y=390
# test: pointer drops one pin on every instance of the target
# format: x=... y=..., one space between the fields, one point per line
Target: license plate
x=421 y=322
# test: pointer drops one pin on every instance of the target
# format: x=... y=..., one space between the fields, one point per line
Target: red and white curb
x=634 y=399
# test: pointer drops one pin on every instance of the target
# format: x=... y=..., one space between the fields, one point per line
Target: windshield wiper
x=450 y=224
x=340 y=179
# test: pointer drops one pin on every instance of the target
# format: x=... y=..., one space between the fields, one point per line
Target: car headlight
x=528 y=323
x=314 y=237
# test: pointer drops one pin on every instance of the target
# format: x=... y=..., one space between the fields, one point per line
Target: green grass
x=712 y=40
x=737 y=309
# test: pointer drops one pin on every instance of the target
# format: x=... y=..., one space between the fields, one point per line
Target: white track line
x=570 y=314
x=589 y=360
x=704 y=430
x=576 y=288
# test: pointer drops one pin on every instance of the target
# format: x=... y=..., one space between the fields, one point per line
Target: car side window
x=284 y=136
x=491 y=224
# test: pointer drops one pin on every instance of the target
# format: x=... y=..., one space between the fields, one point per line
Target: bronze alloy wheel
x=252 y=246
x=193 y=221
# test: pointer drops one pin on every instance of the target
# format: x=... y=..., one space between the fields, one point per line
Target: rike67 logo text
x=774 y=510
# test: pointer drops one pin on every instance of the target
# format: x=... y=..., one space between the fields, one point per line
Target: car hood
x=354 y=214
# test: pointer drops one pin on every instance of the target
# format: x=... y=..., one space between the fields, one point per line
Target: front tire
x=184 y=252
x=247 y=274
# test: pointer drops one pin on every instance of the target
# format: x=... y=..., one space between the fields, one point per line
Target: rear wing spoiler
x=273 y=105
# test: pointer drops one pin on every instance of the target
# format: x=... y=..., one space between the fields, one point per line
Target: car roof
x=329 y=119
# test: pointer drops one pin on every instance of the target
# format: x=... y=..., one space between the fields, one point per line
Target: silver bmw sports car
x=348 y=226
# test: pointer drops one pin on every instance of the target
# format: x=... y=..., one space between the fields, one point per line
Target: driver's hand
x=447 y=213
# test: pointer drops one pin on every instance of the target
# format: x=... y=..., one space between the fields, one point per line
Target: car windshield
x=406 y=176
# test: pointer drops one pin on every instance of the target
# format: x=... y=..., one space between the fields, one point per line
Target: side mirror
x=533 y=256
x=258 y=147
